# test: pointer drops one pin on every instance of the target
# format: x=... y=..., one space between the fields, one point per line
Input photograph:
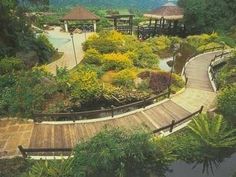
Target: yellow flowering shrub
x=125 y=77
x=84 y=84
x=92 y=56
x=199 y=40
x=105 y=42
x=116 y=61
x=208 y=46
x=162 y=45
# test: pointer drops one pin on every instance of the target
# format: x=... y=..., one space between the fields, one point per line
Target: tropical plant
x=119 y=153
x=213 y=133
x=52 y=168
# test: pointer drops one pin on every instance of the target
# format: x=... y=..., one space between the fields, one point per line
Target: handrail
x=211 y=67
x=25 y=151
x=111 y=110
x=198 y=53
x=173 y=123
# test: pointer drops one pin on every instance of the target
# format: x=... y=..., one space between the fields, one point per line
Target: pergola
x=166 y=20
x=80 y=14
x=122 y=23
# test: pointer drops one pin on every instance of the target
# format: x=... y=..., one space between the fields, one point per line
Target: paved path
x=64 y=44
x=63 y=135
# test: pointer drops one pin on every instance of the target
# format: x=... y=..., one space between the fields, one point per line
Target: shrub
x=226 y=102
x=28 y=93
x=209 y=45
x=116 y=61
x=92 y=56
x=52 y=168
x=204 y=41
x=159 y=81
x=14 y=167
x=105 y=42
x=122 y=95
x=177 y=83
x=45 y=49
x=205 y=140
x=125 y=78
x=163 y=45
x=227 y=74
x=119 y=153
x=10 y=64
x=84 y=84
x=145 y=58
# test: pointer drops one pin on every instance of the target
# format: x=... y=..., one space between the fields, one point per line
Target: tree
x=208 y=15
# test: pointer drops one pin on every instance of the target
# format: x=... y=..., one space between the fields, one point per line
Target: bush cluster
x=116 y=61
x=10 y=64
x=125 y=78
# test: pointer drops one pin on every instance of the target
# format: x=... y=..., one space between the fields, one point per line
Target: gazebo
x=166 y=20
x=122 y=22
x=80 y=14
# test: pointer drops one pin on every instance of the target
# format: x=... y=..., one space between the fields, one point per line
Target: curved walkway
x=68 y=59
x=199 y=92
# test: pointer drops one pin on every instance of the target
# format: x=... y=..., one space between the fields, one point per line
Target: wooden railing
x=38 y=117
x=212 y=65
x=24 y=151
x=170 y=127
x=198 y=53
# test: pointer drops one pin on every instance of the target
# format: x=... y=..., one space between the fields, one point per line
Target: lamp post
x=72 y=38
x=175 y=49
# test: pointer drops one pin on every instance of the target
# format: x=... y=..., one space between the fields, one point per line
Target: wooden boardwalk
x=198 y=92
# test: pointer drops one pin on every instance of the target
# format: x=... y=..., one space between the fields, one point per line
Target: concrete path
x=64 y=44
x=67 y=134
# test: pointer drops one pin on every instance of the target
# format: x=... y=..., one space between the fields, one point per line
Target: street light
x=72 y=38
x=175 y=49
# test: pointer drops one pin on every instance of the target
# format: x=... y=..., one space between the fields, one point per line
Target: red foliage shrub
x=144 y=74
x=159 y=81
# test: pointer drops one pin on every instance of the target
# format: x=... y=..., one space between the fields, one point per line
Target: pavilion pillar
x=94 y=26
x=66 y=26
x=150 y=21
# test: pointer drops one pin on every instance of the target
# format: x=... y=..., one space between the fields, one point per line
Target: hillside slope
x=140 y=4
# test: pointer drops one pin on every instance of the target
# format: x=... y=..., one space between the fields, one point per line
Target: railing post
x=186 y=81
x=169 y=91
x=20 y=147
x=112 y=110
x=144 y=103
x=201 y=109
x=172 y=125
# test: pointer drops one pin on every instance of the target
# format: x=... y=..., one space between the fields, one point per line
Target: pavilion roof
x=168 y=11
x=80 y=13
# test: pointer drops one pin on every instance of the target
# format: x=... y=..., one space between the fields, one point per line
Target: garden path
x=198 y=92
x=64 y=43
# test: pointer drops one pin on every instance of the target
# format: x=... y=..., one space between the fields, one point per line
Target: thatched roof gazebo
x=80 y=14
x=169 y=11
x=166 y=19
